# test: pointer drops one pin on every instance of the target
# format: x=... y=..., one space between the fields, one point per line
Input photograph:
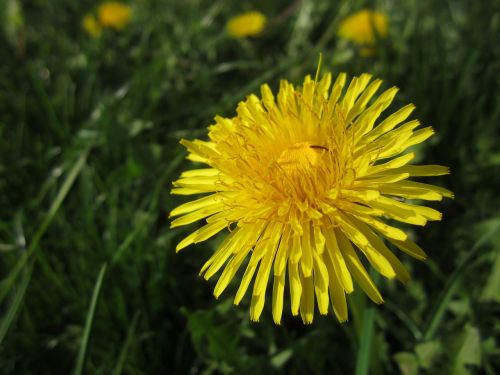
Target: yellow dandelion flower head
x=246 y=24
x=91 y=26
x=114 y=14
x=303 y=182
x=363 y=26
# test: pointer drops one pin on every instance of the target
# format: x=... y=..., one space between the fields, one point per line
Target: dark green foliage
x=89 y=132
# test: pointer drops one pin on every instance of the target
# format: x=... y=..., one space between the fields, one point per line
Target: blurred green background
x=89 y=147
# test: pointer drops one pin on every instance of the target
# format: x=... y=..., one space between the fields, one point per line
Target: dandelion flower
x=363 y=26
x=114 y=14
x=304 y=182
x=91 y=26
x=246 y=24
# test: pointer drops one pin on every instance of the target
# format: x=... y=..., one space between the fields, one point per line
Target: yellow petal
x=355 y=208
x=319 y=240
x=358 y=237
x=337 y=260
x=296 y=250
x=379 y=180
x=399 y=211
x=268 y=243
x=202 y=234
x=264 y=271
x=195 y=216
x=306 y=260
x=361 y=103
x=189 y=191
x=400 y=271
x=295 y=287
x=411 y=193
x=419 y=136
x=410 y=248
x=225 y=250
x=307 y=299
x=245 y=282
x=197 y=181
x=282 y=254
x=203 y=172
x=394 y=163
x=321 y=281
x=256 y=306
x=196 y=158
x=337 y=89
x=196 y=205
x=354 y=89
x=360 y=195
x=367 y=119
x=229 y=272
x=380 y=226
x=200 y=148
x=390 y=123
x=278 y=291
x=421 y=170
x=409 y=185
x=337 y=295
x=357 y=270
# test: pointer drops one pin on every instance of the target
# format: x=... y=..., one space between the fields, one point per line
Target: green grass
x=89 y=133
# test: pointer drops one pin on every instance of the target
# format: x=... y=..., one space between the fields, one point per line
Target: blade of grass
x=126 y=345
x=47 y=105
x=329 y=33
x=82 y=354
x=7 y=284
x=366 y=341
x=405 y=319
x=14 y=307
x=127 y=242
x=266 y=76
x=444 y=299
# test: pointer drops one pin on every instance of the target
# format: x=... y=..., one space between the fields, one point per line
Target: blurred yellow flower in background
x=246 y=24
x=114 y=14
x=92 y=26
x=363 y=27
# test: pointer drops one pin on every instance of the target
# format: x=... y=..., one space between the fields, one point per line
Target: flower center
x=301 y=168
x=300 y=157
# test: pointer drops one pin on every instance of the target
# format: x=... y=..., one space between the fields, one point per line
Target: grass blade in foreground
x=126 y=345
x=13 y=309
x=82 y=355
x=365 y=346
x=56 y=204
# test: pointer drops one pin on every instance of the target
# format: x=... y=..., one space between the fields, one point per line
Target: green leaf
x=444 y=300
x=278 y=360
x=491 y=291
x=428 y=352
x=467 y=351
x=407 y=363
